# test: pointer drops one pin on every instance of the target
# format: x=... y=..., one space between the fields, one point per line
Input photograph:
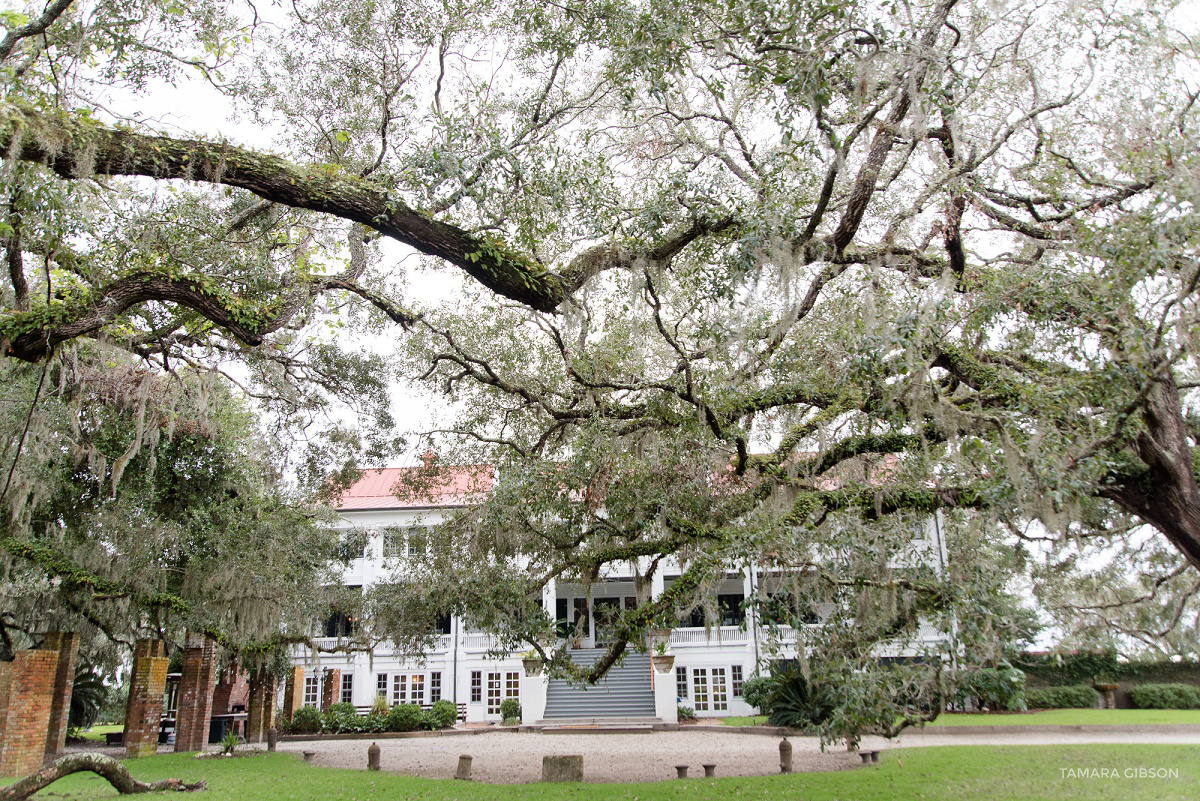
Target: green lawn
x=1073 y=717
x=98 y=732
x=995 y=773
x=1048 y=717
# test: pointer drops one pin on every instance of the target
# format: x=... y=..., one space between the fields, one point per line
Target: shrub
x=510 y=709
x=796 y=702
x=994 y=688
x=441 y=715
x=380 y=705
x=305 y=720
x=757 y=693
x=404 y=717
x=342 y=718
x=1166 y=696
x=375 y=722
x=1077 y=696
x=687 y=713
x=88 y=695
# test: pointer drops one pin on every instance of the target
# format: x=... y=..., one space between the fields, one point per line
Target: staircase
x=627 y=692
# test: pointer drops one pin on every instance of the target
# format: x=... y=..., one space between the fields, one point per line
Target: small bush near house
x=375 y=722
x=1166 y=696
x=341 y=718
x=404 y=717
x=998 y=688
x=306 y=720
x=380 y=705
x=1077 y=696
x=757 y=692
x=441 y=715
x=687 y=713
x=510 y=709
x=798 y=703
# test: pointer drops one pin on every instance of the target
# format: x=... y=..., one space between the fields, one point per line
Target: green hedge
x=1064 y=669
x=1077 y=696
x=994 y=688
x=1166 y=696
x=344 y=719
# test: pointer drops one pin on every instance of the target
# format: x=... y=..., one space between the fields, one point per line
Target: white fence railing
x=720 y=635
x=478 y=642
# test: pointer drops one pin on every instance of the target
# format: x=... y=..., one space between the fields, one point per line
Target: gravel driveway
x=503 y=757
x=506 y=757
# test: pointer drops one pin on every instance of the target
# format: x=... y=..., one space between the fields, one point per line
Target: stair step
x=625 y=694
x=584 y=728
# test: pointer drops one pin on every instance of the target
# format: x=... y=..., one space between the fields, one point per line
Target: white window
x=435 y=686
x=399 y=689
x=381 y=684
x=476 y=686
x=393 y=543
x=700 y=688
x=416 y=688
x=720 y=695
x=312 y=690
x=493 y=693
x=735 y=680
x=681 y=684
x=347 y=688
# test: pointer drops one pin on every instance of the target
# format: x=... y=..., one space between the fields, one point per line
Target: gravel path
x=511 y=758
x=505 y=757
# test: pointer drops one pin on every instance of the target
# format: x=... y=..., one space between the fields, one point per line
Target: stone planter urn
x=663 y=662
x=659 y=637
x=533 y=666
x=1110 y=693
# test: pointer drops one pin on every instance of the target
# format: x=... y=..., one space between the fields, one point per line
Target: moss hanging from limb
x=75 y=148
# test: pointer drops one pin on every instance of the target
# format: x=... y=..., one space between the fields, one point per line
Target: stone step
x=584 y=728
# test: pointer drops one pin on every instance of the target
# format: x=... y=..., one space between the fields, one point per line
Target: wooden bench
x=114 y=738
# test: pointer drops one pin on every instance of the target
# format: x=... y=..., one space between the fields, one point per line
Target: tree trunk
x=104 y=766
x=1167 y=497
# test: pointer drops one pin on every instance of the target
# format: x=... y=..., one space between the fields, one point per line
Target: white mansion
x=712 y=657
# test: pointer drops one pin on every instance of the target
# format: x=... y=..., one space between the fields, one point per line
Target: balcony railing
x=720 y=635
x=478 y=642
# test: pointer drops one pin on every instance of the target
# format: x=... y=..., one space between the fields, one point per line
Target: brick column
x=27 y=684
x=144 y=711
x=261 y=708
x=196 y=692
x=293 y=692
x=66 y=645
x=331 y=693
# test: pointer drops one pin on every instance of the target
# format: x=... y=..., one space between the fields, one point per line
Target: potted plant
x=659 y=637
x=662 y=661
x=532 y=662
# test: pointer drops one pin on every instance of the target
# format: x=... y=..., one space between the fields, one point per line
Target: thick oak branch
x=104 y=766
x=75 y=148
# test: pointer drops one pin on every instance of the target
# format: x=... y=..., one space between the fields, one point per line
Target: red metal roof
x=417 y=488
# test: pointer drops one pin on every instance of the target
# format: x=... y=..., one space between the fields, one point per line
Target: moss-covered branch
x=75 y=148
x=103 y=766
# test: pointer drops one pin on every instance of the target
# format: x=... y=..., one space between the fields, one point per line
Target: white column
x=533 y=697
x=666 y=703
x=656 y=583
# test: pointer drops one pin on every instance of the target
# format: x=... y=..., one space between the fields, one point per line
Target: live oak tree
x=749 y=282
x=142 y=504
